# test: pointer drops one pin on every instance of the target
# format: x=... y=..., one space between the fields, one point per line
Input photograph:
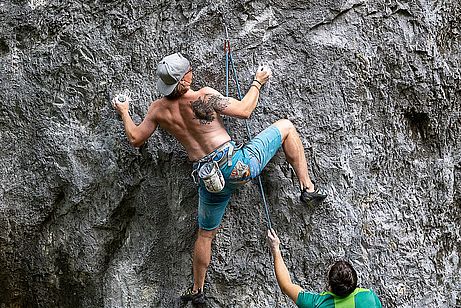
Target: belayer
x=219 y=165
x=342 y=284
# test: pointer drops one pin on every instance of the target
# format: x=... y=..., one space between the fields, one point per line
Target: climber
x=220 y=166
x=342 y=284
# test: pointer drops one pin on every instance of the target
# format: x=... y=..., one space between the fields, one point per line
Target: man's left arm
x=137 y=134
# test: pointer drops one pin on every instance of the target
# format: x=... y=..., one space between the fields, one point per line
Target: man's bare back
x=192 y=117
x=193 y=120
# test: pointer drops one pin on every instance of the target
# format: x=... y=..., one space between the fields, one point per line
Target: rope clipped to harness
x=230 y=60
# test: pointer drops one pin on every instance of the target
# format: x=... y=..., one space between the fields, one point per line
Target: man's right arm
x=233 y=107
x=137 y=134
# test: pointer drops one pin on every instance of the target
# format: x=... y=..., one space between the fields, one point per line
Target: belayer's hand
x=263 y=74
x=273 y=240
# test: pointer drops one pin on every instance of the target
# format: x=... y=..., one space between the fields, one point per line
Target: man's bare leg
x=202 y=257
x=294 y=152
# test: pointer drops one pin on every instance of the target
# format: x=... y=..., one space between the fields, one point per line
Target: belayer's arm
x=281 y=271
x=137 y=134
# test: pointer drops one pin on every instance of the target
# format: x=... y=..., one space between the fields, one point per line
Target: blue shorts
x=247 y=163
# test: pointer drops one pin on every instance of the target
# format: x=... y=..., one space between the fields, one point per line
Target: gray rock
x=372 y=86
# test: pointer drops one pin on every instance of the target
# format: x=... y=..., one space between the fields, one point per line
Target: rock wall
x=373 y=87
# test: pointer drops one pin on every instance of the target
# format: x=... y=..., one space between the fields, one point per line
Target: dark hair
x=177 y=92
x=342 y=278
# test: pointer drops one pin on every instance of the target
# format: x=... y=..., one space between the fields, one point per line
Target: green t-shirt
x=360 y=298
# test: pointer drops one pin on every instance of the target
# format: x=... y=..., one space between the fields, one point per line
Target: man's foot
x=313 y=197
x=197 y=297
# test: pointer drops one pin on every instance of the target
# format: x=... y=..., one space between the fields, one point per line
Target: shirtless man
x=194 y=119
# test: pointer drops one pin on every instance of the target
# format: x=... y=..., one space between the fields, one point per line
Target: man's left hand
x=121 y=107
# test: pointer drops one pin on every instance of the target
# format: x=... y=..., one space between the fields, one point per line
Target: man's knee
x=207 y=234
x=285 y=126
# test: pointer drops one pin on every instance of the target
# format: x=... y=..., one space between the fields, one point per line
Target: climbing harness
x=230 y=61
x=208 y=167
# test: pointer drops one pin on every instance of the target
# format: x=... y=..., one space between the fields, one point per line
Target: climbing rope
x=230 y=60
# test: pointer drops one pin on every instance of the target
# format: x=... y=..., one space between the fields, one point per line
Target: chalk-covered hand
x=121 y=103
x=263 y=74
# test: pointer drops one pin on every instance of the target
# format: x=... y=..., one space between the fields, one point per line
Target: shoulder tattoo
x=204 y=108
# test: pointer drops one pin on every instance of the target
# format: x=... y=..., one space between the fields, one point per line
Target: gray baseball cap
x=170 y=71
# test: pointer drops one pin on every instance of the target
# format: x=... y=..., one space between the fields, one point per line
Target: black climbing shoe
x=313 y=197
x=196 y=298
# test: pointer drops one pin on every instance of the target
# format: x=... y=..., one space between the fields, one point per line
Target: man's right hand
x=263 y=74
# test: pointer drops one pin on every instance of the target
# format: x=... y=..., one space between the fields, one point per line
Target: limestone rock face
x=373 y=87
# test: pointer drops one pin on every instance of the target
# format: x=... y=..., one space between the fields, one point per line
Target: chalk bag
x=212 y=177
